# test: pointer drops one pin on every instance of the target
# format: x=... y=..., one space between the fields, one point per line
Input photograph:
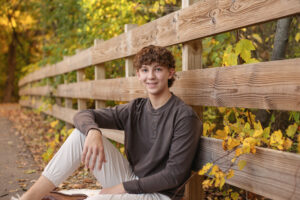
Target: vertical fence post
x=99 y=74
x=129 y=70
x=81 y=102
x=192 y=59
x=68 y=101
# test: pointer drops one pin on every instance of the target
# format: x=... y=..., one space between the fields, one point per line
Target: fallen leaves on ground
x=33 y=129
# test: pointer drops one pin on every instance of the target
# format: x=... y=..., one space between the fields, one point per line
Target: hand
x=93 y=148
x=117 y=189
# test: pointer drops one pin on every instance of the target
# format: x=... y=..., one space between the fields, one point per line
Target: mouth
x=151 y=84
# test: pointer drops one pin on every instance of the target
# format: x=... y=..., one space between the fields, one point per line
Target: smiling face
x=155 y=78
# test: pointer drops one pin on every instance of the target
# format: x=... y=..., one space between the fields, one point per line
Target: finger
x=95 y=154
x=83 y=156
x=88 y=157
x=101 y=159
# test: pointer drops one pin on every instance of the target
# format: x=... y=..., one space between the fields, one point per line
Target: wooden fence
x=267 y=85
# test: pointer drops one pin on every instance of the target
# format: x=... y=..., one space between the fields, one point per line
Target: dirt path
x=18 y=170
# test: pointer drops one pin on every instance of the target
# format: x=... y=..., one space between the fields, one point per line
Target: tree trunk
x=278 y=53
x=11 y=68
x=281 y=38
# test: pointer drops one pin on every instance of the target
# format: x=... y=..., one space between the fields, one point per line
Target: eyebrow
x=158 y=65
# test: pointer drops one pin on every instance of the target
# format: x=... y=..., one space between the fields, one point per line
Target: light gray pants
x=115 y=171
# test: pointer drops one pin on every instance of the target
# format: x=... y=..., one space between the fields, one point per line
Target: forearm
x=117 y=189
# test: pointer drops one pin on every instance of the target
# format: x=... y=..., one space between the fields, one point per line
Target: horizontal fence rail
x=270 y=173
x=267 y=85
x=202 y=19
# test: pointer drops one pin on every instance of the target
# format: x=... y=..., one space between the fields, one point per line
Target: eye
x=158 y=69
x=144 y=69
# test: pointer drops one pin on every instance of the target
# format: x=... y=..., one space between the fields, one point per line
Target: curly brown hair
x=151 y=54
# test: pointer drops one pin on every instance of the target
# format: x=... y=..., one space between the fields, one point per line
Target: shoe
x=54 y=195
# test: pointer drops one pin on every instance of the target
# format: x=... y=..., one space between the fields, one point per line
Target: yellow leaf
x=206 y=184
x=246 y=148
x=257 y=37
x=291 y=130
x=238 y=152
x=258 y=133
x=54 y=123
x=222 y=182
x=253 y=149
x=217 y=182
x=205 y=168
x=205 y=128
x=30 y=171
x=229 y=57
x=235 y=196
x=230 y=174
x=276 y=139
x=298 y=147
x=221 y=109
x=233 y=159
x=214 y=170
x=220 y=134
x=227 y=129
x=242 y=164
x=287 y=144
x=232 y=142
x=297 y=37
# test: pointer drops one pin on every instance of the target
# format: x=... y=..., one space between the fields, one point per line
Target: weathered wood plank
x=202 y=19
x=99 y=74
x=270 y=173
x=42 y=91
x=67 y=114
x=62 y=113
x=260 y=85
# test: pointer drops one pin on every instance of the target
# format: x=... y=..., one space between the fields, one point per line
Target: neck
x=158 y=101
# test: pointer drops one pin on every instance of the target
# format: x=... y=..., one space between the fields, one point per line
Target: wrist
x=94 y=131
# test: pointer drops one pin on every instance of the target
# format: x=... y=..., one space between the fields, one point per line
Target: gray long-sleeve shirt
x=160 y=144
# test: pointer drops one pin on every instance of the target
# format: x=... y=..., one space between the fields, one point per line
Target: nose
x=151 y=74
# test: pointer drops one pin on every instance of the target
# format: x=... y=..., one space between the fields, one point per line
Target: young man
x=161 y=137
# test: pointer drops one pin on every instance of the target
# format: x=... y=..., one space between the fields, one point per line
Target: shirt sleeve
x=110 y=118
x=178 y=167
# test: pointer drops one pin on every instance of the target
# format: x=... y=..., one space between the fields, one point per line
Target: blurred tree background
x=35 y=33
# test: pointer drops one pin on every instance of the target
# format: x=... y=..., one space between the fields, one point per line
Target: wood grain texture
x=262 y=85
x=270 y=173
x=202 y=19
x=67 y=114
x=38 y=91
x=99 y=74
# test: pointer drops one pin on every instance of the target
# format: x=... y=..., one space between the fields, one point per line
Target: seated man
x=161 y=138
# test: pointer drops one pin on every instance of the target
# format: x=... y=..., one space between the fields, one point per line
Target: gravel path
x=18 y=170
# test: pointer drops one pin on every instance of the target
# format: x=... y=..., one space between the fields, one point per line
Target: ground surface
x=23 y=139
x=17 y=168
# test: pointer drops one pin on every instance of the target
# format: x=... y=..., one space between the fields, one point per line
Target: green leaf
x=229 y=57
x=291 y=130
x=244 y=48
x=235 y=196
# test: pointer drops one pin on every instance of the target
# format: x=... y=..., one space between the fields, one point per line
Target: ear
x=171 y=72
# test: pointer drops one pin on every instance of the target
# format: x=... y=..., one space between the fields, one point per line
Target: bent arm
x=111 y=118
